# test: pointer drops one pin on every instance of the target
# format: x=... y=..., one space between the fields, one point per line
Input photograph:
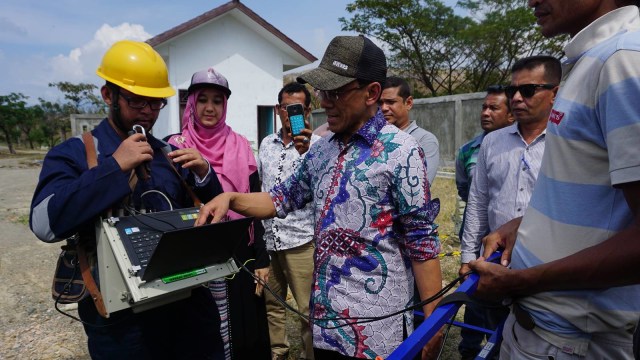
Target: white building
x=247 y=50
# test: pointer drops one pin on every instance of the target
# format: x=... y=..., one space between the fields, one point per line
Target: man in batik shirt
x=374 y=215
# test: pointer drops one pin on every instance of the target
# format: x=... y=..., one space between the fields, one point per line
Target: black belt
x=523 y=318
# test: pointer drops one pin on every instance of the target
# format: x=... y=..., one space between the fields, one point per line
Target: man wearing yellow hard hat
x=71 y=196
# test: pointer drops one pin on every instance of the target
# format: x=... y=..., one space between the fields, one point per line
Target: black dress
x=248 y=328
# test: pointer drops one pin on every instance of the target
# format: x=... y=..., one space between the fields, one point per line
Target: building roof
x=219 y=11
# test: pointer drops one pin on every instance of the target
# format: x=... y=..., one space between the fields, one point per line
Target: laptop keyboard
x=143 y=242
x=141 y=234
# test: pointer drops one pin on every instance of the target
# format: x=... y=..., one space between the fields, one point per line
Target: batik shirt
x=373 y=216
x=276 y=162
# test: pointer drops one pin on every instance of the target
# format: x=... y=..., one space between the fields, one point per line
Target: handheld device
x=296 y=118
x=143 y=171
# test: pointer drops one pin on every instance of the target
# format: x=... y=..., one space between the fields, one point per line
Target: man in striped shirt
x=509 y=160
x=495 y=115
x=574 y=263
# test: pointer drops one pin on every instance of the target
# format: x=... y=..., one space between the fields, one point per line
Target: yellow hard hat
x=137 y=67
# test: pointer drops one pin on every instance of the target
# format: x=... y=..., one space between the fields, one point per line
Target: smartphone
x=296 y=118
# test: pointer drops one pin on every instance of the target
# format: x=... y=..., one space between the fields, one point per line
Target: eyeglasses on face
x=140 y=103
x=526 y=90
x=334 y=95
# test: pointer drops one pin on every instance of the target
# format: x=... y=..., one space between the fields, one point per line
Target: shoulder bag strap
x=85 y=269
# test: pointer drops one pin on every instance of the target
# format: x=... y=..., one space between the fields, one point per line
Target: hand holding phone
x=296 y=118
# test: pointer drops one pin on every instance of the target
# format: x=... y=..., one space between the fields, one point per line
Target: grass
x=22 y=158
x=445 y=190
x=23 y=155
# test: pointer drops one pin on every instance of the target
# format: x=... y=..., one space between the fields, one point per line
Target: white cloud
x=31 y=73
x=80 y=64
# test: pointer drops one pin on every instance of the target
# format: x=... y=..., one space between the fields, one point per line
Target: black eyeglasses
x=526 y=90
x=334 y=95
x=140 y=103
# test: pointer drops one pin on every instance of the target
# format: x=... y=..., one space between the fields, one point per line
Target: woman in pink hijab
x=243 y=315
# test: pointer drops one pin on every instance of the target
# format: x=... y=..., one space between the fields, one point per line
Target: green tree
x=503 y=31
x=29 y=122
x=12 y=109
x=54 y=122
x=82 y=97
x=419 y=36
x=446 y=53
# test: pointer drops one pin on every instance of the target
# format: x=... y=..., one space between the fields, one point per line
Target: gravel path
x=30 y=326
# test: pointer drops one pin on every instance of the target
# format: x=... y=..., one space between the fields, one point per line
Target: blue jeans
x=185 y=329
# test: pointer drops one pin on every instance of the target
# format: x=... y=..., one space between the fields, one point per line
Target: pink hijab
x=228 y=152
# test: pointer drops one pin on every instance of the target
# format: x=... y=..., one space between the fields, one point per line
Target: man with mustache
x=289 y=240
x=374 y=231
x=507 y=167
x=574 y=264
x=495 y=115
x=396 y=103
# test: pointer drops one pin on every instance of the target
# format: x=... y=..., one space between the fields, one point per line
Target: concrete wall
x=454 y=120
x=84 y=122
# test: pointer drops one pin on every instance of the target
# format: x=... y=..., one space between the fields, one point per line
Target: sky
x=42 y=42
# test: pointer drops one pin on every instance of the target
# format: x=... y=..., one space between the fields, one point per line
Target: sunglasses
x=526 y=90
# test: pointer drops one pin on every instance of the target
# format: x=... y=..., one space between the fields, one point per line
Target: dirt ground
x=30 y=327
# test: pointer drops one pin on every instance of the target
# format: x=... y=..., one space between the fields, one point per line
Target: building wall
x=454 y=120
x=251 y=63
x=81 y=123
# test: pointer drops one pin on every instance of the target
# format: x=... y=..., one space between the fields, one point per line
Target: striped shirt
x=505 y=175
x=593 y=143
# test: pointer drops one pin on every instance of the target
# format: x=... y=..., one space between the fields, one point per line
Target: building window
x=183 y=96
x=266 y=121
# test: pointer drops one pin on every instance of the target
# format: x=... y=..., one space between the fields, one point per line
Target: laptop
x=148 y=260
x=166 y=243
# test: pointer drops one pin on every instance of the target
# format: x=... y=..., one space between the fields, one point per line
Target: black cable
x=446 y=333
x=358 y=320
x=139 y=214
x=65 y=290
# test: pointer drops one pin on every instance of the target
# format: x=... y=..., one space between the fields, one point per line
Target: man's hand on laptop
x=215 y=210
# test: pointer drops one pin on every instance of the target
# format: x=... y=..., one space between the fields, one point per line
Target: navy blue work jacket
x=70 y=197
